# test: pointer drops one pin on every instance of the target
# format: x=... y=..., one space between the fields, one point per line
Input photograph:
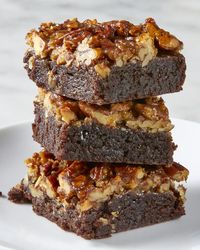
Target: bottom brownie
x=123 y=212
x=95 y=201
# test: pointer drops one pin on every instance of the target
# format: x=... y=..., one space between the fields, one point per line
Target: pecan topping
x=150 y=113
x=165 y=40
x=177 y=172
x=101 y=44
x=95 y=182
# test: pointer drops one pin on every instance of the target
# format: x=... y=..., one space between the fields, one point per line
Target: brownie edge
x=95 y=200
x=121 y=213
x=163 y=74
x=94 y=142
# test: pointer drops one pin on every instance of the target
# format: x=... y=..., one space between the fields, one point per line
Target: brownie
x=17 y=195
x=95 y=200
x=104 y=63
x=131 y=132
x=134 y=211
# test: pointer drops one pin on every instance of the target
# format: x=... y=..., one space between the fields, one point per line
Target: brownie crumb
x=17 y=195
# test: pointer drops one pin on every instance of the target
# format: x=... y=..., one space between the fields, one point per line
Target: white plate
x=21 y=229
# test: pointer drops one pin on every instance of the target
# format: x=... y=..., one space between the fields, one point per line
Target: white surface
x=21 y=229
x=17 y=17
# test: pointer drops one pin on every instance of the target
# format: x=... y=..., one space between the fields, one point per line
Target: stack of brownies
x=107 y=164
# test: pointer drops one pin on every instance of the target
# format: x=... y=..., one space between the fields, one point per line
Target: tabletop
x=17 y=17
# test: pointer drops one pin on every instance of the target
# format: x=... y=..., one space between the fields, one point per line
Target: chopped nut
x=182 y=191
x=104 y=115
x=85 y=54
x=79 y=182
x=31 y=62
x=147 y=184
x=101 y=173
x=101 y=194
x=62 y=56
x=61 y=59
x=140 y=173
x=34 y=191
x=85 y=205
x=41 y=95
x=64 y=110
x=47 y=103
x=165 y=39
x=76 y=168
x=177 y=172
x=164 y=187
x=102 y=70
x=64 y=186
x=152 y=110
x=122 y=106
x=33 y=173
x=68 y=116
x=151 y=126
x=45 y=185
x=99 y=114
x=51 y=79
x=38 y=45
x=147 y=50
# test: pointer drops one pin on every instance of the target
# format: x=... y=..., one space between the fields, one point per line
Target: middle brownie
x=136 y=132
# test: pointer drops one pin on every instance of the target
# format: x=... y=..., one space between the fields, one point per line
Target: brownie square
x=103 y=63
x=95 y=200
x=130 y=132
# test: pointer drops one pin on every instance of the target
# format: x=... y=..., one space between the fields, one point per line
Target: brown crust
x=164 y=74
x=121 y=213
x=99 y=143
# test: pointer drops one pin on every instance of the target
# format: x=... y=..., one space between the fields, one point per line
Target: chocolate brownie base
x=164 y=74
x=121 y=213
x=98 y=143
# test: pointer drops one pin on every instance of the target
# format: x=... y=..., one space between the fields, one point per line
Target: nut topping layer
x=92 y=183
x=101 y=44
x=148 y=114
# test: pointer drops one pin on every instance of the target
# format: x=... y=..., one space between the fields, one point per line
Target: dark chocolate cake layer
x=164 y=74
x=90 y=140
x=104 y=63
x=95 y=200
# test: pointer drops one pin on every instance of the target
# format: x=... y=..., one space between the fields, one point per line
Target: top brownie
x=105 y=62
